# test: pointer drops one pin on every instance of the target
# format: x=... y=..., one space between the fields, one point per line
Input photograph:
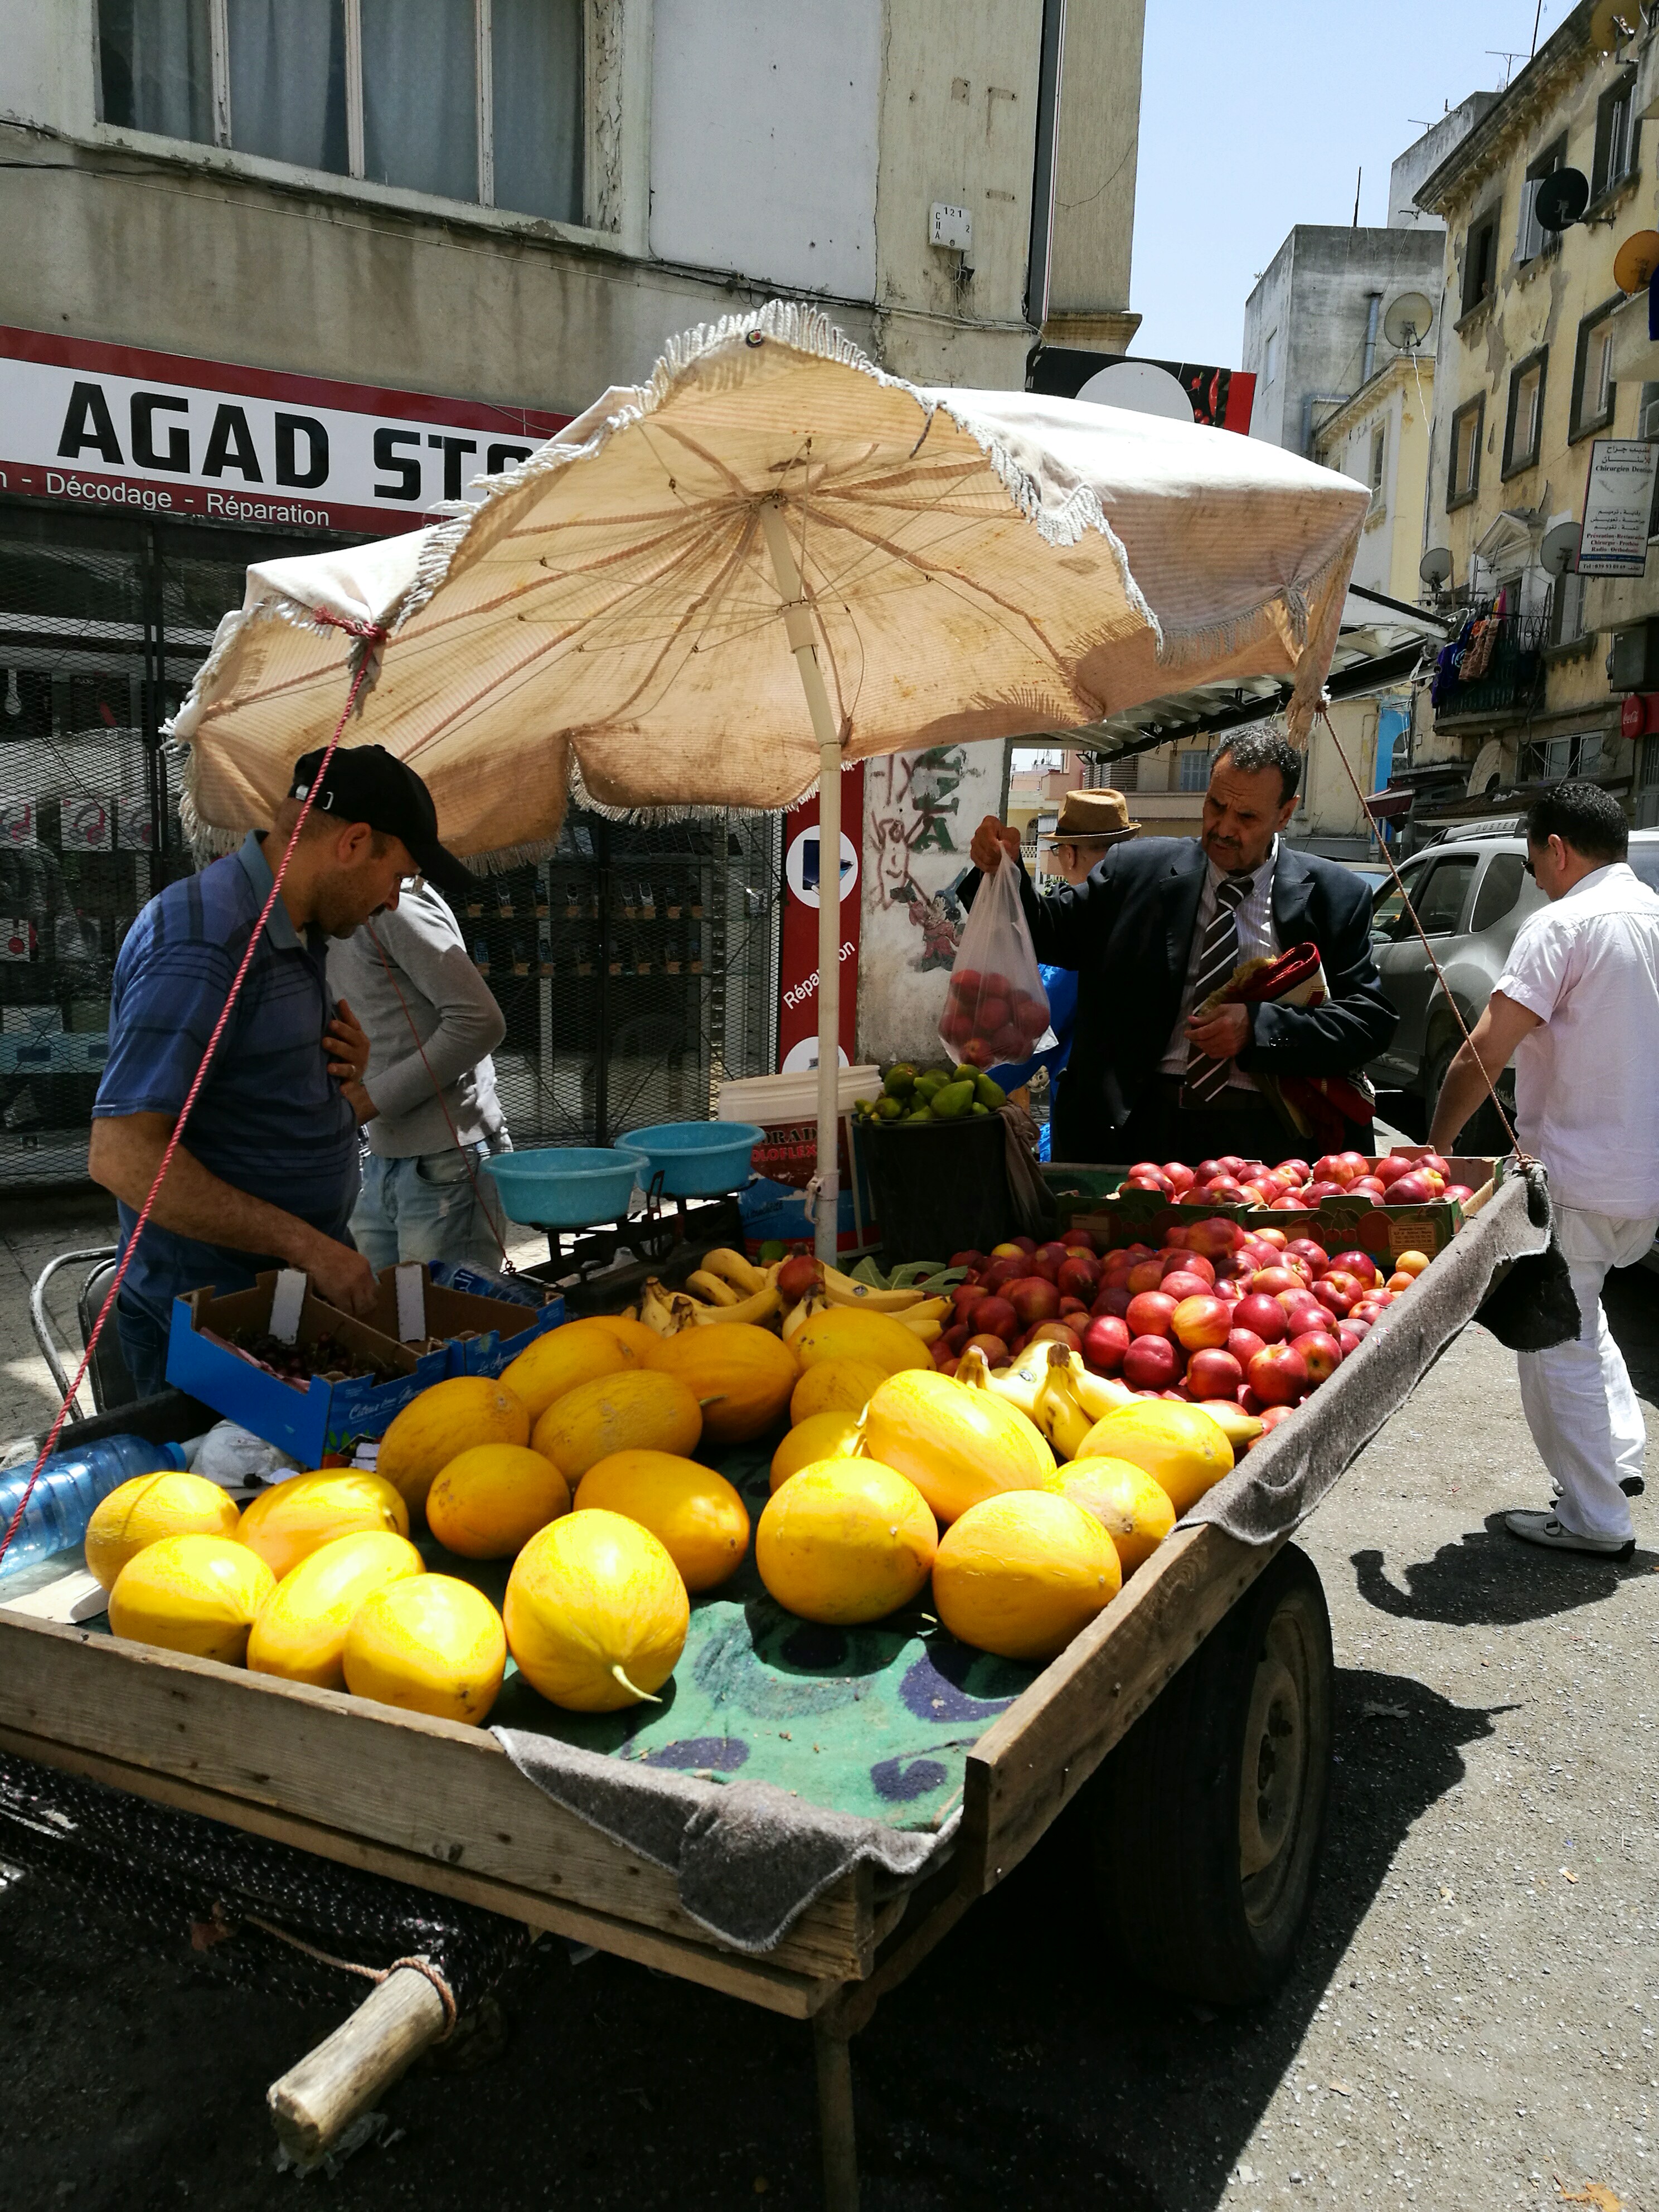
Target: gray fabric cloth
x=454 y=1012
x=1273 y=1490
x=1033 y=1200
x=749 y=1858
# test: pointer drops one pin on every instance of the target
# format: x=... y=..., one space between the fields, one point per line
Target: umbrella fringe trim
x=661 y=817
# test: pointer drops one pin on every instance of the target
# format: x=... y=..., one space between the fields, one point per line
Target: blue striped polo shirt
x=269 y=1119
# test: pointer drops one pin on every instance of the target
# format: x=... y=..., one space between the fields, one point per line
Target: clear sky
x=1255 y=117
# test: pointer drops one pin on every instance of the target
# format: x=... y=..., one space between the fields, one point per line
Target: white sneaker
x=1545 y=1529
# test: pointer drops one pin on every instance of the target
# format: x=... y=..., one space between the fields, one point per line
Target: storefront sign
x=1618 y=507
x=798 y=949
x=116 y=427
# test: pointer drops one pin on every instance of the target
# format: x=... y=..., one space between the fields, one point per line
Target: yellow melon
x=489 y=1501
x=638 y=1411
x=695 y=1514
x=844 y=1333
x=301 y=1630
x=834 y=1385
x=557 y=1362
x=957 y=1444
x=596 y=1613
x=741 y=1377
x=820 y=1436
x=638 y=1338
x=151 y=1506
x=433 y=1645
x=196 y=1594
x=1021 y=1573
x=845 y=1540
x=1134 y=1510
x=1183 y=1449
x=291 y=1519
x=445 y=1419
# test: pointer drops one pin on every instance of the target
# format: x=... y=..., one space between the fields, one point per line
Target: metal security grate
x=637 y=968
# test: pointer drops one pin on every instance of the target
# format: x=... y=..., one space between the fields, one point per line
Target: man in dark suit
x=1157 y=928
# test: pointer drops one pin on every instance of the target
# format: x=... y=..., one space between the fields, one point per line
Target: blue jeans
x=423 y=1208
x=143 y=1347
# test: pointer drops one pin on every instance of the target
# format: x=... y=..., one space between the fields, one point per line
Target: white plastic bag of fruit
x=996 y=1011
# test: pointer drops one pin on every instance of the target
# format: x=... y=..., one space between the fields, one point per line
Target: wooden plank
x=774 y=1987
x=314 y=2102
x=433 y=1788
x=1038 y=1755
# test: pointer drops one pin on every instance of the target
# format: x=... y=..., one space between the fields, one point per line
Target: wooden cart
x=442 y=1806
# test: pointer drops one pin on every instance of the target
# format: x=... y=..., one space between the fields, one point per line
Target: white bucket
x=786 y=1159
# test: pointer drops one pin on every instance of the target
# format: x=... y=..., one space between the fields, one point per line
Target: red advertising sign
x=118 y=427
x=798 y=953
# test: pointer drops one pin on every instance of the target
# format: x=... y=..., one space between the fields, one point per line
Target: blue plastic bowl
x=565 y=1186
x=698 y=1159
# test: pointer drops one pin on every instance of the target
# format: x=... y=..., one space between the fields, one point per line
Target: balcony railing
x=1507 y=650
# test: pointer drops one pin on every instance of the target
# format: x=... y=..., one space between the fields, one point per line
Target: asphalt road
x=1471 y=2023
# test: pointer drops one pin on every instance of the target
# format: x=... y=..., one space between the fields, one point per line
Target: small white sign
x=803 y=861
x=411 y=1303
x=1618 y=507
x=287 y=1303
x=14 y=936
x=16 y=822
x=950 y=227
x=137 y=820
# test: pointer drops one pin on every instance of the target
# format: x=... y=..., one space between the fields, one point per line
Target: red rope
x=454 y=1133
x=374 y=633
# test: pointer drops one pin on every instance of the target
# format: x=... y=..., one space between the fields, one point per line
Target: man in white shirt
x=427 y=1104
x=1578 y=1007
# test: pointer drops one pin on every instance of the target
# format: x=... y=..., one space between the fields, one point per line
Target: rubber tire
x=1169 y=1815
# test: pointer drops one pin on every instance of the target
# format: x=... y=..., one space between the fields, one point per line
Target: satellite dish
x=1635 y=261
x=1613 y=24
x=1140 y=385
x=1406 y=323
x=1436 y=566
x=1560 y=548
x=1562 y=198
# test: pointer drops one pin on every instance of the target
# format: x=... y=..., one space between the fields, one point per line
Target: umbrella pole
x=803 y=643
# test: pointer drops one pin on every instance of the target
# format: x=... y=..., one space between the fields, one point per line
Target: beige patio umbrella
x=614 y=620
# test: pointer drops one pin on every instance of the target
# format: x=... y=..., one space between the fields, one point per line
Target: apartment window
x=1595 y=395
x=1270 y=358
x=1480 y=260
x=1524 y=430
x=1463 y=480
x=472 y=99
x=1195 y=771
x=1552 y=758
x=1616 y=134
x=1533 y=237
x=1379 y=461
x=1566 y=609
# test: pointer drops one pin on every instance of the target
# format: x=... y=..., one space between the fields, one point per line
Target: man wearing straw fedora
x=1159 y=1069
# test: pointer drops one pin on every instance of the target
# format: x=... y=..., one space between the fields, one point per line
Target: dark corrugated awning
x=1389 y=805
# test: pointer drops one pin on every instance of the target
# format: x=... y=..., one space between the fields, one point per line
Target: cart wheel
x=1211 y=1812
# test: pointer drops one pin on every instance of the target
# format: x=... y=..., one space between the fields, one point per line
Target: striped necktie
x=1206 y=1079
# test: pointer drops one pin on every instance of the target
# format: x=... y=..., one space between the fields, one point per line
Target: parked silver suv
x=1472 y=893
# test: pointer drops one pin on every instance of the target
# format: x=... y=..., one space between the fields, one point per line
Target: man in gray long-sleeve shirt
x=418 y=1198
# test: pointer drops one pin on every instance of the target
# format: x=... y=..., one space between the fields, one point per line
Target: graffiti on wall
x=920 y=812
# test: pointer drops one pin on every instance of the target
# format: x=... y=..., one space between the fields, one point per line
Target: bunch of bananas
x=726 y=1287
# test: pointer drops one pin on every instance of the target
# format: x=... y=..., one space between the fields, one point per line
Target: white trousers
x=1578 y=1401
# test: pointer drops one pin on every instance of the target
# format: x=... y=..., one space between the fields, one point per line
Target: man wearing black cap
x=267 y=1173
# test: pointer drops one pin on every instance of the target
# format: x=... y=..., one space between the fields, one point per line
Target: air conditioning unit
x=1632 y=663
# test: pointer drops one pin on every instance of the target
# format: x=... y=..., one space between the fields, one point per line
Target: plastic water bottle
x=71 y=1485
